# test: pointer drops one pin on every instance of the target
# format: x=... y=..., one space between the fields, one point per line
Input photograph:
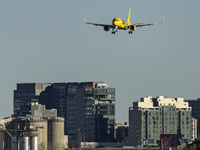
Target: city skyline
x=48 y=42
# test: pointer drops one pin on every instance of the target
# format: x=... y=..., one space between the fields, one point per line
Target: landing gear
x=113 y=32
x=130 y=32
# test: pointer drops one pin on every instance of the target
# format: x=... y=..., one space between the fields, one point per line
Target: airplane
x=122 y=24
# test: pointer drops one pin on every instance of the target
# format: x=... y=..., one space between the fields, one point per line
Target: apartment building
x=88 y=109
x=151 y=117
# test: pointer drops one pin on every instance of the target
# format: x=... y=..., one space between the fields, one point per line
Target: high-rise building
x=151 y=117
x=23 y=95
x=195 y=104
x=88 y=109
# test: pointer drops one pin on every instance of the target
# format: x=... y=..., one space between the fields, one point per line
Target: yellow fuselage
x=120 y=23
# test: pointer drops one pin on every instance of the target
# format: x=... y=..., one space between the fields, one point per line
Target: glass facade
x=88 y=109
x=24 y=94
x=100 y=114
x=71 y=111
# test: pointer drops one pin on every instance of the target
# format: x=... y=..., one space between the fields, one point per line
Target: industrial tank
x=34 y=142
x=56 y=133
x=14 y=145
x=24 y=144
x=41 y=133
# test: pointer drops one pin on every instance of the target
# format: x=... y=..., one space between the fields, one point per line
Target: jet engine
x=106 y=28
x=133 y=27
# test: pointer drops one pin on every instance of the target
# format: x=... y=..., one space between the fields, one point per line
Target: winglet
x=85 y=19
x=163 y=19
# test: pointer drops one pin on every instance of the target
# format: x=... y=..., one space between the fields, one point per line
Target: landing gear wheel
x=130 y=32
x=113 y=32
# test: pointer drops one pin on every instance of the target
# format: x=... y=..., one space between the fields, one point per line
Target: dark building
x=55 y=96
x=88 y=109
x=23 y=95
x=121 y=131
x=195 y=104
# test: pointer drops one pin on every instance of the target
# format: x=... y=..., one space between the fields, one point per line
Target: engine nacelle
x=133 y=27
x=106 y=28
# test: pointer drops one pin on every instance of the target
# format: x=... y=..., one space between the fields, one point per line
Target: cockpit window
x=116 y=19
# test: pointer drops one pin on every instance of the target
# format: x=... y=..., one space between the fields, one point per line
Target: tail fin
x=128 y=20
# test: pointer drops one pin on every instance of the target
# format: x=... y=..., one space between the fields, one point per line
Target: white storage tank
x=24 y=144
x=34 y=142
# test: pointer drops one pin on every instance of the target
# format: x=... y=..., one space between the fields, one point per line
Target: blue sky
x=47 y=41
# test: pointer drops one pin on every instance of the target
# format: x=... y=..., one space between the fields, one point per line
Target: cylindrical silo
x=14 y=144
x=24 y=144
x=34 y=142
x=41 y=133
x=56 y=132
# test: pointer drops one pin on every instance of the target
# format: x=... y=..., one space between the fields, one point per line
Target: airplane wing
x=147 y=24
x=97 y=24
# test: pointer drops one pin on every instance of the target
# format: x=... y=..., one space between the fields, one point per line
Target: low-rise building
x=40 y=130
x=121 y=131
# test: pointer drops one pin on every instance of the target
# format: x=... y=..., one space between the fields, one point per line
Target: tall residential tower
x=88 y=109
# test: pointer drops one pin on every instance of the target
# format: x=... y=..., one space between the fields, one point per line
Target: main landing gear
x=113 y=32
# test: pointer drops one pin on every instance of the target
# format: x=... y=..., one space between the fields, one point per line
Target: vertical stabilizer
x=128 y=20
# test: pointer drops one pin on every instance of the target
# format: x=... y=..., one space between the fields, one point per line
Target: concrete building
x=45 y=134
x=38 y=110
x=151 y=117
x=88 y=109
x=3 y=124
x=40 y=130
x=23 y=95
